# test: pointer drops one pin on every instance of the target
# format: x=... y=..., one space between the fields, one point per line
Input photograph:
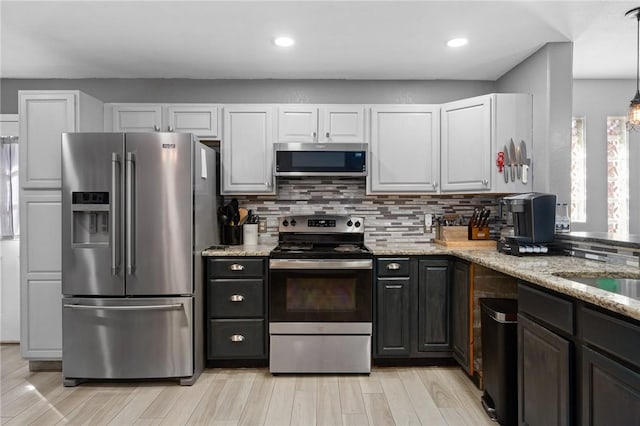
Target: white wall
x=547 y=75
x=595 y=100
x=9 y=264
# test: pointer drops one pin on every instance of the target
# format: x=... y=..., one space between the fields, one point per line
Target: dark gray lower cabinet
x=392 y=320
x=433 y=306
x=460 y=314
x=610 y=391
x=236 y=308
x=544 y=375
x=412 y=307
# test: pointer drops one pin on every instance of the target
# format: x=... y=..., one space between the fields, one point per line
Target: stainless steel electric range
x=321 y=292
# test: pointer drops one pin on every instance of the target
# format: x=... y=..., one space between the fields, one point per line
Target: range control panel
x=321 y=224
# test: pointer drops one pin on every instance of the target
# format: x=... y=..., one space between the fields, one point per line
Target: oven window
x=321 y=295
x=313 y=295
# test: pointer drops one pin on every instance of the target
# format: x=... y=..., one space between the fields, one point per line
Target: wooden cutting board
x=488 y=244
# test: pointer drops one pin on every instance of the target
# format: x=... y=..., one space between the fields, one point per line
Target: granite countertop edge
x=537 y=270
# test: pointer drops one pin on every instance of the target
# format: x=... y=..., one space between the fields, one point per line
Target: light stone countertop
x=262 y=249
x=538 y=270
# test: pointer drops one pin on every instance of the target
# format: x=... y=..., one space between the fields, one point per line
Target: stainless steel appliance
x=533 y=216
x=137 y=209
x=316 y=159
x=321 y=291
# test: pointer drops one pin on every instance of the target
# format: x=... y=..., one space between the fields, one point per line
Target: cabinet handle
x=169 y=128
x=313 y=135
x=393 y=286
x=236 y=267
x=393 y=266
x=485 y=182
x=328 y=135
x=156 y=128
x=236 y=338
x=236 y=298
x=435 y=185
x=267 y=184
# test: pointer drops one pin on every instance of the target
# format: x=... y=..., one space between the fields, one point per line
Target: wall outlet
x=428 y=222
x=262 y=225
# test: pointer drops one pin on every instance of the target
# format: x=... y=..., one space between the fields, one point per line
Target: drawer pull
x=236 y=267
x=393 y=266
x=237 y=338
x=236 y=298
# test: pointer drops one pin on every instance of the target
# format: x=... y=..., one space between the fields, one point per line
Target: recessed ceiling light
x=283 y=41
x=457 y=42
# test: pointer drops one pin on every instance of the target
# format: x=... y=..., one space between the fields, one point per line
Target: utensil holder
x=250 y=234
x=231 y=235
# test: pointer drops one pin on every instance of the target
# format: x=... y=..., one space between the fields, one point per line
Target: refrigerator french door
x=128 y=253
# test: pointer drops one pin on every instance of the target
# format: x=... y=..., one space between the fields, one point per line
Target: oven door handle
x=321 y=264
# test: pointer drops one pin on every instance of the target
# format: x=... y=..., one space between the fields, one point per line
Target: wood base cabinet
x=412 y=308
x=236 y=308
x=460 y=312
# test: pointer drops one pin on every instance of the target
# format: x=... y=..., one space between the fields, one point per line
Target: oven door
x=321 y=290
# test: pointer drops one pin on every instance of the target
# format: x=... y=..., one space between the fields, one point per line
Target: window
x=9 y=219
x=617 y=176
x=578 y=171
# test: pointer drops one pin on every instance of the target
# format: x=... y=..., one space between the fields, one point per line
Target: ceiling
x=334 y=39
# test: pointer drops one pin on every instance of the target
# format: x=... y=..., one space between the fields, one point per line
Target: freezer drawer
x=133 y=338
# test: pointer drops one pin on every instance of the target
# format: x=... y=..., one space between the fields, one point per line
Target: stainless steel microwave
x=316 y=159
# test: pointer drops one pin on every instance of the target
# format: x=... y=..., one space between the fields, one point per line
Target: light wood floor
x=400 y=396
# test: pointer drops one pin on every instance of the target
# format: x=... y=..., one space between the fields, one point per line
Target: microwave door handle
x=115 y=214
x=130 y=213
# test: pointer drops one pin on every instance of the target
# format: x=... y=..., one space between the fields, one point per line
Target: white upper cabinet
x=466 y=145
x=44 y=116
x=137 y=118
x=200 y=119
x=247 y=150
x=405 y=149
x=474 y=131
x=329 y=123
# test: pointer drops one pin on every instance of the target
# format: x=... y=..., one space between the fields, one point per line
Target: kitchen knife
x=507 y=162
x=525 y=162
x=512 y=157
x=518 y=162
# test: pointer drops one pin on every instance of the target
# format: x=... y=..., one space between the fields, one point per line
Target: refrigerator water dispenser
x=90 y=218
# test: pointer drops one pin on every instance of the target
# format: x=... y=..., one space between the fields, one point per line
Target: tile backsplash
x=390 y=218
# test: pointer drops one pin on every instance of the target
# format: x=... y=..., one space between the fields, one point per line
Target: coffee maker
x=533 y=216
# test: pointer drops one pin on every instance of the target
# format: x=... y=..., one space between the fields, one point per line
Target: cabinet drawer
x=613 y=335
x=235 y=298
x=546 y=307
x=236 y=338
x=393 y=267
x=236 y=268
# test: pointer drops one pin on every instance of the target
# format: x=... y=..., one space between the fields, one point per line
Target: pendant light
x=633 y=116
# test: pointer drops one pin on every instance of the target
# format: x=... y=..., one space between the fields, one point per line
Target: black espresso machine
x=533 y=215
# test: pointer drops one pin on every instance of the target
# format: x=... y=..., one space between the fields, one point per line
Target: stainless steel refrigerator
x=137 y=209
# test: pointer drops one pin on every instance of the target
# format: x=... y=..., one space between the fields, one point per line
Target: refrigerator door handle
x=130 y=220
x=115 y=214
x=126 y=308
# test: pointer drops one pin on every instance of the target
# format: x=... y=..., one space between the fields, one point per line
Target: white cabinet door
x=405 y=154
x=297 y=124
x=43 y=119
x=40 y=274
x=342 y=124
x=466 y=145
x=247 y=153
x=137 y=118
x=201 y=120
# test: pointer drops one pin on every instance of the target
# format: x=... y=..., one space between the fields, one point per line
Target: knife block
x=479 y=233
